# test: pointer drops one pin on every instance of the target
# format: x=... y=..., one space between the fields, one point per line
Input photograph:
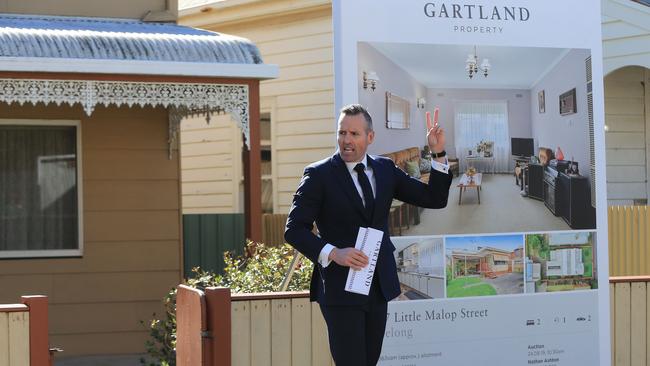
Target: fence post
x=219 y=325
x=191 y=327
x=39 y=347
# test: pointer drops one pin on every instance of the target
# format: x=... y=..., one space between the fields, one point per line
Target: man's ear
x=371 y=137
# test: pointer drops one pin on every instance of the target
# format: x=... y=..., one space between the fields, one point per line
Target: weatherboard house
x=484 y=261
x=90 y=179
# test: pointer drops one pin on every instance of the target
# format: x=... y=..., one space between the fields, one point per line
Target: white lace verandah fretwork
x=231 y=98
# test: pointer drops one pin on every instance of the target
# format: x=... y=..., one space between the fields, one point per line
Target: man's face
x=353 y=138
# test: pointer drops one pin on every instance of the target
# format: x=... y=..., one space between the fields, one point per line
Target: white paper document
x=369 y=242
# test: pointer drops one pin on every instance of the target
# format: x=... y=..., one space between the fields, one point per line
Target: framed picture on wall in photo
x=397 y=112
x=568 y=102
x=541 y=101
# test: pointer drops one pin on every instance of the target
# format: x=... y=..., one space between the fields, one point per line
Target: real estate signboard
x=514 y=270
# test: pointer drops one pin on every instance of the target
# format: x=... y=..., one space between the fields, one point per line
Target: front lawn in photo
x=469 y=286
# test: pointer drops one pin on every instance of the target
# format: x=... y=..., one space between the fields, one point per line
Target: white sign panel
x=515 y=268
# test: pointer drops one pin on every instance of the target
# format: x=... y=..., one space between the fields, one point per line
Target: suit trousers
x=356 y=333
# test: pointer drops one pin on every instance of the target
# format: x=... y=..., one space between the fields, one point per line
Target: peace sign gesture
x=435 y=133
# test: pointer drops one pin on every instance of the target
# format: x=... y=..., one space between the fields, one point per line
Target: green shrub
x=262 y=271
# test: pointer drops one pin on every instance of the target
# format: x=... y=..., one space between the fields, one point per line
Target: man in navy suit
x=341 y=194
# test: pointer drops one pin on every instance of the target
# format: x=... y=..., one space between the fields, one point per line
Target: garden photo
x=560 y=262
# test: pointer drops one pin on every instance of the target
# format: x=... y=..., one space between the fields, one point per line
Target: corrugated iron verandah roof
x=53 y=44
x=119 y=39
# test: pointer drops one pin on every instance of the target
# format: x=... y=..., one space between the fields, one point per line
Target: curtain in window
x=476 y=122
x=38 y=188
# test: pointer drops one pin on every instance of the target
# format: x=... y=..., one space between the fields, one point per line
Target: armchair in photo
x=402 y=214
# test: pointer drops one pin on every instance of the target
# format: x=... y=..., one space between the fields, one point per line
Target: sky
x=508 y=242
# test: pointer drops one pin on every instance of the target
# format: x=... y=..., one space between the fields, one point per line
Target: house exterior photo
x=566 y=256
x=565 y=262
x=485 y=261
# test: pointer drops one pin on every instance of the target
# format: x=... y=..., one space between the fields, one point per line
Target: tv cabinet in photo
x=575 y=194
x=535 y=177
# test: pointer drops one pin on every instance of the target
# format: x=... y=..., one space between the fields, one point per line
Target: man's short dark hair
x=355 y=109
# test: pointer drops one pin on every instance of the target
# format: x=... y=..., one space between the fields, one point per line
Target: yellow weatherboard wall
x=211 y=167
x=132 y=245
x=627 y=114
x=297 y=36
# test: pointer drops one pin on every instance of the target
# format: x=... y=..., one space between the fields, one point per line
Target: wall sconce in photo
x=421 y=103
x=370 y=80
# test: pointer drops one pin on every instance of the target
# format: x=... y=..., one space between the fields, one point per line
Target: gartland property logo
x=476 y=12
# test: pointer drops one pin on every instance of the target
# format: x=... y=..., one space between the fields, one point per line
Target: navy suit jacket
x=327 y=196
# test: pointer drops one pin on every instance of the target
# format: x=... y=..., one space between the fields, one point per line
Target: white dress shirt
x=323 y=258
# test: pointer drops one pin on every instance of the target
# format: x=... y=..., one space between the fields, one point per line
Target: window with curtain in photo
x=39 y=201
x=481 y=124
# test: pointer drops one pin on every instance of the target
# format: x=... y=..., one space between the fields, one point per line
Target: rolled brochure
x=369 y=242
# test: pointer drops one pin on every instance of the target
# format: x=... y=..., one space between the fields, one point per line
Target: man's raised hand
x=435 y=135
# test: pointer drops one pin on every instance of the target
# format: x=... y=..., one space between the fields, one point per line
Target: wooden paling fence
x=629 y=240
x=273 y=229
x=24 y=333
x=14 y=334
x=630 y=320
x=217 y=328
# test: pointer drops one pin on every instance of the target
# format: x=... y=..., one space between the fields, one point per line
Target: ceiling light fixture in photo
x=472 y=67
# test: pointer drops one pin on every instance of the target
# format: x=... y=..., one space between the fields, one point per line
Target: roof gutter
x=213 y=5
x=137 y=67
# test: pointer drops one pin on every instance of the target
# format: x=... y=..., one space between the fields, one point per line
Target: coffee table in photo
x=467 y=181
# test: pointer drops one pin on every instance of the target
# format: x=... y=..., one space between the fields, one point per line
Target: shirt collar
x=351 y=166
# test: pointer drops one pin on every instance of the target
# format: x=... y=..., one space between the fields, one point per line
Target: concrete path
x=511 y=283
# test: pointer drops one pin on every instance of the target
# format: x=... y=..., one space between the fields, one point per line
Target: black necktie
x=366 y=188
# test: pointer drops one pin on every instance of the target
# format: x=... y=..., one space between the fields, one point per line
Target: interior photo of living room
x=518 y=123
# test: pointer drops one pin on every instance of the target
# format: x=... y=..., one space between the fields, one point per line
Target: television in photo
x=523 y=147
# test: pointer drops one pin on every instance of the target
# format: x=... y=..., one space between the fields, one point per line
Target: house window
x=39 y=189
x=481 y=135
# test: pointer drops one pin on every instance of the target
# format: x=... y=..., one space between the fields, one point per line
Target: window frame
x=54 y=253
